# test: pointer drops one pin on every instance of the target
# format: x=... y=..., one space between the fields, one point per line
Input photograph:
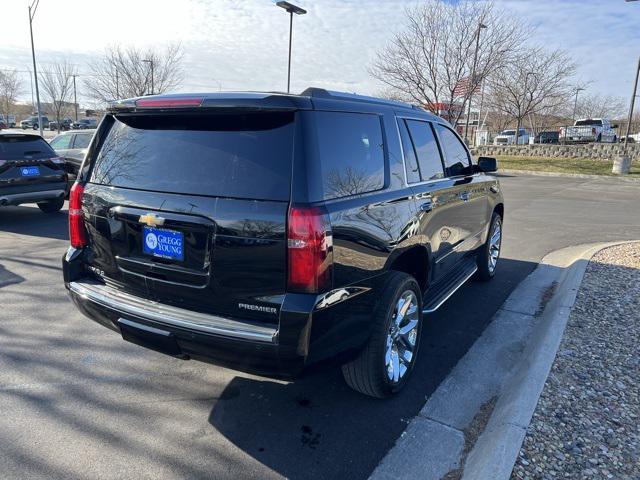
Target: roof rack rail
x=315 y=92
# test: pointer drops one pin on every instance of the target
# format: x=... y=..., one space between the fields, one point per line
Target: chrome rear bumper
x=160 y=313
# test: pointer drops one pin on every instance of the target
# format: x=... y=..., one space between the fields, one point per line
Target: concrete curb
x=506 y=367
x=569 y=175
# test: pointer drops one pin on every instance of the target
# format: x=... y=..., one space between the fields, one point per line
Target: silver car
x=72 y=146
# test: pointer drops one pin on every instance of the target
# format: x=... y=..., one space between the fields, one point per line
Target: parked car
x=270 y=232
x=72 y=146
x=508 y=137
x=3 y=125
x=9 y=121
x=65 y=124
x=30 y=172
x=32 y=122
x=589 y=130
x=85 y=124
x=546 y=137
x=633 y=138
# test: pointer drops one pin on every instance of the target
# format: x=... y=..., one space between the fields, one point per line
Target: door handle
x=464 y=196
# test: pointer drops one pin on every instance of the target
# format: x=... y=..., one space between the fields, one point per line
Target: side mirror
x=487 y=164
x=615 y=125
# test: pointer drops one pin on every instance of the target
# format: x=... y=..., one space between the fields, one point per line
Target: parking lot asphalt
x=79 y=402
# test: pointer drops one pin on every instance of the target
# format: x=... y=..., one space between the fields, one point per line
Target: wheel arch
x=414 y=261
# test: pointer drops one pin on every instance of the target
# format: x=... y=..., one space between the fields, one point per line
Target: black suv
x=30 y=171
x=269 y=232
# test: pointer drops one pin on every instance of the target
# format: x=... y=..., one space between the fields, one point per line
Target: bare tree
x=57 y=85
x=535 y=82
x=127 y=72
x=10 y=88
x=595 y=105
x=434 y=55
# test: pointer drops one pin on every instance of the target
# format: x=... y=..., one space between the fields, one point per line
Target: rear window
x=24 y=147
x=241 y=156
x=582 y=123
x=346 y=152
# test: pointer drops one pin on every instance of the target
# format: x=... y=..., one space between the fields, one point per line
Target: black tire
x=51 y=206
x=367 y=374
x=485 y=271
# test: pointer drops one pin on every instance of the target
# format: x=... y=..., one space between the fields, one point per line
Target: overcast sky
x=242 y=44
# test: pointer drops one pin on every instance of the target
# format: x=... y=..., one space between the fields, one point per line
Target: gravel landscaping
x=587 y=421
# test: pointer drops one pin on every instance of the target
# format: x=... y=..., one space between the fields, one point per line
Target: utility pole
x=473 y=80
x=150 y=62
x=575 y=104
x=633 y=102
x=32 y=12
x=75 y=99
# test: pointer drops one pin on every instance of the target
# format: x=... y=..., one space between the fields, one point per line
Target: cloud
x=242 y=44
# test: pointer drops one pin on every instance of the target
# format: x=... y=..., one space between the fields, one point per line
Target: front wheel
x=489 y=254
x=51 y=206
x=385 y=363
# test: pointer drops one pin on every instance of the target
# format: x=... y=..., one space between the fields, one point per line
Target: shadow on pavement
x=30 y=221
x=317 y=427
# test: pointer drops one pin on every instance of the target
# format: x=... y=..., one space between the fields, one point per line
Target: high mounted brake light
x=77 y=232
x=169 y=102
x=310 y=248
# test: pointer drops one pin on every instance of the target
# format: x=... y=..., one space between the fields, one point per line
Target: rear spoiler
x=218 y=101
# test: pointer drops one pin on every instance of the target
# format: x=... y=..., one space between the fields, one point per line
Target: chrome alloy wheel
x=494 y=245
x=402 y=337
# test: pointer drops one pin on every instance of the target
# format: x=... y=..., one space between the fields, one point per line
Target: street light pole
x=75 y=99
x=289 y=7
x=633 y=102
x=575 y=104
x=32 y=12
x=472 y=82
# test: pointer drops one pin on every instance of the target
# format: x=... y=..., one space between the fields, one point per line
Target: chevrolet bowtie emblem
x=151 y=219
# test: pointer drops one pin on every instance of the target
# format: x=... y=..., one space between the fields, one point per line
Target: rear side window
x=82 y=140
x=237 y=156
x=410 y=159
x=24 y=147
x=345 y=152
x=456 y=157
x=424 y=142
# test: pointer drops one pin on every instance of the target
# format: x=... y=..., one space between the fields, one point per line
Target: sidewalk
x=586 y=423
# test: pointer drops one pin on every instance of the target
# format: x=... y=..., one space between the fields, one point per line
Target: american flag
x=463 y=87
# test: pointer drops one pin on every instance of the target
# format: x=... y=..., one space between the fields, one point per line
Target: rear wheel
x=387 y=360
x=489 y=254
x=51 y=206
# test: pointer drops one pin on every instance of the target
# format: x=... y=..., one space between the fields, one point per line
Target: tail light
x=77 y=232
x=310 y=249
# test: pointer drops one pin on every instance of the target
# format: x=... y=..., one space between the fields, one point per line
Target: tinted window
x=426 y=147
x=410 y=159
x=24 y=146
x=82 y=140
x=456 y=158
x=582 y=123
x=346 y=152
x=61 y=142
x=242 y=156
